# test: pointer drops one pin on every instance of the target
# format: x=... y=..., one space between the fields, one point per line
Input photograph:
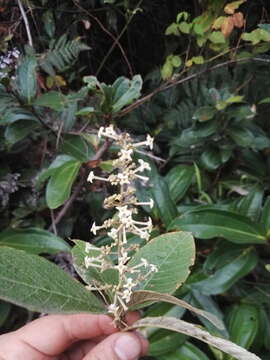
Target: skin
x=73 y=337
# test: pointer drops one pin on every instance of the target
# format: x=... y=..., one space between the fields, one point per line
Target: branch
x=174 y=82
x=26 y=23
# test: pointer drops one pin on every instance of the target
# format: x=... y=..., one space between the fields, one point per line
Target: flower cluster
x=124 y=222
x=8 y=62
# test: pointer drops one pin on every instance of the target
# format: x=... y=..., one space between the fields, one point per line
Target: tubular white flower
x=92 y=177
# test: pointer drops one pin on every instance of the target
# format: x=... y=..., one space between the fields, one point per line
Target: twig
x=116 y=40
x=26 y=23
x=173 y=83
x=53 y=223
x=78 y=188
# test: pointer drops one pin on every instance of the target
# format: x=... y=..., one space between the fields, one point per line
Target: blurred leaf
x=166 y=344
x=208 y=224
x=26 y=78
x=18 y=130
x=251 y=204
x=231 y=7
x=179 y=179
x=173 y=254
x=204 y=113
x=52 y=99
x=4 y=312
x=189 y=351
x=243 y=324
x=59 y=186
x=77 y=147
x=126 y=96
x=33 y=240
x=217 y=37
x=162 y=200
x=58 y=162
x=228 y=275
x=35 y=283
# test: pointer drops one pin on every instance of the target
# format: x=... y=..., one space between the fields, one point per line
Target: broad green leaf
x=19 y=130
x=225 y=277
x=208 y=224
x=210 y=159
x=217 y=37
x=265 y=218
x=189 y=329
x=26 y=78
x=58 y=162
x=189 y=351
x=208 y=304
x=52 y=99
x=165 y=343
x=4 y=311
x=33 y=240
x=91 y=275
x=77 y=147
x=31 y=281
x=140 y=297
x=165 y=206
x=242 y=136
x=179 y=179
x=204 y=113
x=133 y=93
x=243 y=324
x=59 y=186
x=173 y=254
x=251 y=204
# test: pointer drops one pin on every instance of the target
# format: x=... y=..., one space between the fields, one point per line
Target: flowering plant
x=121 y=275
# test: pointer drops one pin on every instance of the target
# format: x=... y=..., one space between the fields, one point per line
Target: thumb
x=120 y=346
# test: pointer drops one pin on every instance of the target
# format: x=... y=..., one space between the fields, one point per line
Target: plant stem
x=26 y=23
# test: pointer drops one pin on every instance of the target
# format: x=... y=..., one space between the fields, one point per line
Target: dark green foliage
x=211 y=133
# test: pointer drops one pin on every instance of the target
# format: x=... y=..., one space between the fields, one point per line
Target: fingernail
x=127 y=347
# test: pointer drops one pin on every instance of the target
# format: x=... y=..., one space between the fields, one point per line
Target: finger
x=51 y=335
x=120 y=346
x=131 y=317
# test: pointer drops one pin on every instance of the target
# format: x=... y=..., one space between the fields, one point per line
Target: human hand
x=72 y=337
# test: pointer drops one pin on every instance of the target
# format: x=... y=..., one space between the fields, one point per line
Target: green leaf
x=251 y=204
x=77 y=147
x=179 y=179
x=189 y=351
x=243 y=324
x=33 y=240
x=224 y=278
x=216 y=37
x=58 y=162
x=163 y=203
x=91 y=275
x=204 y=113
x=4 y=312
x=173 y=254
x=52 y=99
x=189 y=329
x=18 y=130
x=26 y=78
x=265 y=218
x=132 y=93
x=167 y=342
x=242 y=136
x=208 y=224
x=59 y=186
x=210 y=159
x=31 y=281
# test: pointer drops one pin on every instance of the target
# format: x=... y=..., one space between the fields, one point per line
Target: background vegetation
x=205 y=99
